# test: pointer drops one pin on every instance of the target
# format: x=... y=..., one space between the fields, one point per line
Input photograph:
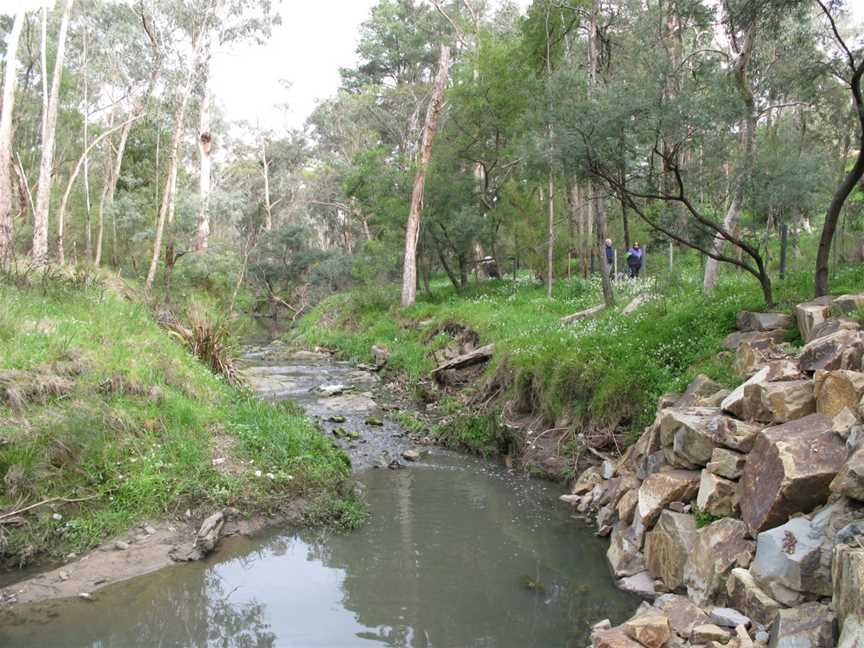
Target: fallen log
x=590 y=312
x=474 y=357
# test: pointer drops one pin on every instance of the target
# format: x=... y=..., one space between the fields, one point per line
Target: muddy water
x=458 y=553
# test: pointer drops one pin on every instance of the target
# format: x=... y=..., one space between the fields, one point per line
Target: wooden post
x=671 y=257
x=614 y=263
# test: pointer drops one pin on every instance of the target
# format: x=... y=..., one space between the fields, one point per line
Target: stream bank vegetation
x=106 y=421
x=726 y=137
x=551 y=389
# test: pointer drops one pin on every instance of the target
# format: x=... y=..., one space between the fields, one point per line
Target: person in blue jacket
x=610 y=253
x=634 y=259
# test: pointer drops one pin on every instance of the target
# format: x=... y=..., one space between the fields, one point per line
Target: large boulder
x=721 y=547
x=808 y=626
x=689 y=435
x=717 y=496
x=641 y=584
x=779 y=402
x=787 y=558
x=668 y=545
x=848 y=304
x=789 y=471
x=739 y=403
x=832 y=325
x=650 y=630
x=726 y=463
x=627 y=505
x=848 y=581
x=812 y=313
x=793 y=561
x=744 y=594
x=661 y=489
x=850 y=480
x=587 y=480
x=852 y=633
x=614 y=638
x=625 y=551
x=757 y=339
x=699 y=388
x=683 y=615
x=838 y=390
x=749 y=321
x=840 y=350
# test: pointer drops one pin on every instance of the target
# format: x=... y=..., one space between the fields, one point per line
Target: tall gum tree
x=9 y=78
x=167 y=203
x=852 y=78
x=39 y=251
x=742 y=47
x=412 y=230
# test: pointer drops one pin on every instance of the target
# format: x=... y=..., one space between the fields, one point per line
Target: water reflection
x=444 y=562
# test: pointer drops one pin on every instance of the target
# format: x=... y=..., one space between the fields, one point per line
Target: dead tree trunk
x=10 y=76
x=43 y=195
x=412 y=233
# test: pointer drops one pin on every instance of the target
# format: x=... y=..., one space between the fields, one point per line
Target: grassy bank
x=602 y=373
x=108 y=418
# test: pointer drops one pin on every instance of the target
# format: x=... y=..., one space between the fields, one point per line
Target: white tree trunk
x=205 y=143
x=412 y=233
x=43 y=194
x=10 y=76
x=268 y=206
x=733 y=213
x=170 y=181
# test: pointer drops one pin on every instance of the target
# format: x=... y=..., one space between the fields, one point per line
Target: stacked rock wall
x=773 y=471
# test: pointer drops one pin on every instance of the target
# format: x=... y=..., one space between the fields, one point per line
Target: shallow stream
x=458 y=553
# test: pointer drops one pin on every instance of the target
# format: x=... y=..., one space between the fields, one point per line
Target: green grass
x=134 y=431
x=606 y=371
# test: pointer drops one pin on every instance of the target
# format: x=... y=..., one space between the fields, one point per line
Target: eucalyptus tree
x=233 y=21
x=39 y=250
x=10 y=77
x=848 y=66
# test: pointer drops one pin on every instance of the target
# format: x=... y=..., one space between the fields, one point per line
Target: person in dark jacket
x=610 y=253
x=634 y=259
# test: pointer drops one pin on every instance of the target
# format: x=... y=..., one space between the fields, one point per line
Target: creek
x=458 y=552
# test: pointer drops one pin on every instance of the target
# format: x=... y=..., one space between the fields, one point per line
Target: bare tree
x=10 y=76
x=43 y=194
x=412 y=233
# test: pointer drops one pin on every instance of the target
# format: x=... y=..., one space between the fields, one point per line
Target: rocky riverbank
x=739 y=515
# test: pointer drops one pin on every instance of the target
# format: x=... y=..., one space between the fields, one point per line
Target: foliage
x=135 y=426
x=607 y=371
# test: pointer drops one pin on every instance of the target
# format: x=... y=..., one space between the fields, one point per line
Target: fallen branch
x=51 y=500
x=474 y=357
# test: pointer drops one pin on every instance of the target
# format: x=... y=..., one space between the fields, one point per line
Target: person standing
x=634 y=259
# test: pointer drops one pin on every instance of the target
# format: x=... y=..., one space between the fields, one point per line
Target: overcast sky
x=315 y=39
x=276 y=85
